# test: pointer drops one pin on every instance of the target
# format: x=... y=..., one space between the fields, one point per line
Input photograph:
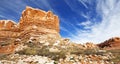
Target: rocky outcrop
x=33 y=22
x=7 y=25
x=38 y=18
x=8 y=49
x=32 y=19
x=8 y=28
x=90 y=45
x=113 y=43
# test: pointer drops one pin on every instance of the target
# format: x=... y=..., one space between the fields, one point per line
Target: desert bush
x=28 y=51
x=3 y=57
x=76 y=51
x=90 y=51
x=72 y=49
x=79 y=51
x=116 y=53
x=116 y=59
x=44 y=51
x=53 y=55
x=57 y=55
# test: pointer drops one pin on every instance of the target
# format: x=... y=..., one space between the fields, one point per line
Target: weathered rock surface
x=38 y=18
x=113 y=43
x=33 y=22
x=32 y=19
x=8 y=28
x=90 y=45
x=7 y=25
x=36 y=40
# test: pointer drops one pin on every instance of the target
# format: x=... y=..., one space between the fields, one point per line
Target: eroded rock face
x=112 y=43
x=39 y=18
x=32 y=19
x=33 y=22
x=7 y=28
x=7 y=25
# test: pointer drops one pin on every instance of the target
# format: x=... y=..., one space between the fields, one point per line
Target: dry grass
x=116 y=53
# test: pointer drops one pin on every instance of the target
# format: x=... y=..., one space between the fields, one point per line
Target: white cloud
x=109 y=26
x=85 y=16
x=86 y=23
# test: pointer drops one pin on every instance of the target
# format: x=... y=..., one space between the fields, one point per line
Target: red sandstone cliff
x=31 y=18
x=7 y=25
x=7 y=28
x=39 y=18
x=33 y=22
x=113 y=43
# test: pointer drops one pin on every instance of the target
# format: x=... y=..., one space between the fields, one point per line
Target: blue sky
x=80 y=20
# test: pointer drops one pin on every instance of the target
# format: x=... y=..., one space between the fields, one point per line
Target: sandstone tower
x=39 y=18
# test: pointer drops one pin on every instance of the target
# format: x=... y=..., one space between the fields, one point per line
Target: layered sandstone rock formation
x=32 y=19
x=113 y=43
x=33 y=22
x=7 y=28
x=7 y=25
x=39 y=18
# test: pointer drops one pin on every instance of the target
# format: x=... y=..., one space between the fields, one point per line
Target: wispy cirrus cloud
x=86 y=23
x=83 y=2
x=109 y=26
x=88 y=29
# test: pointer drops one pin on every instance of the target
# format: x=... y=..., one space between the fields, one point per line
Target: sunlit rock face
x=34 y=18
x=7 y=24
x=31 y=20
x=8 y=28
x=36 y=22
x=113 y=43
x=33 y=23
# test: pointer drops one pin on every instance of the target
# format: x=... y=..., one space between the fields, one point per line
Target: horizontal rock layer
x=32 y=19
x=33 y=22
x=112 y=43
x=39 y=18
